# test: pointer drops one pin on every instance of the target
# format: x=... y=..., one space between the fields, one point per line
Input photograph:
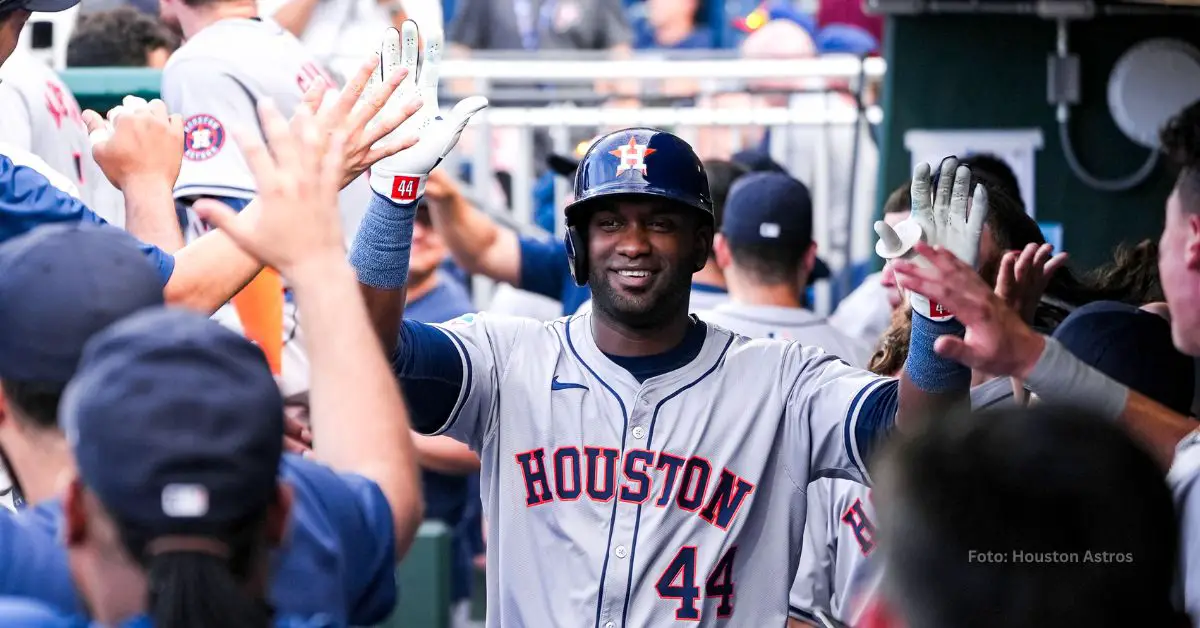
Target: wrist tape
x=927 y=370
x=381 y=246
x=1061 y=378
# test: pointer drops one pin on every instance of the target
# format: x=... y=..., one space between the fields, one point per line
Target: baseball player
x=233 y=59
x=628 y=475
x=39 y=114
x=766 y=250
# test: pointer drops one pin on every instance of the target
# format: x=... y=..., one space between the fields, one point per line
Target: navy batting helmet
x=633 y=162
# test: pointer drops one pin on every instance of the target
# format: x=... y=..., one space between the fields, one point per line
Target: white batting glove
x=938 y=220
x=401 y=177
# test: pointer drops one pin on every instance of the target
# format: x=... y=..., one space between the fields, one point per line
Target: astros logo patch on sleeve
x=203 y=137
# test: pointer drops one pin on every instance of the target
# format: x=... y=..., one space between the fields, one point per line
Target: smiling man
x=637 y=465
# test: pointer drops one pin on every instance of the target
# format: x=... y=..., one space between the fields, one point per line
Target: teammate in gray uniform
x=232 y=59
x=628 y=476
x=766 y=250
x=38 y=113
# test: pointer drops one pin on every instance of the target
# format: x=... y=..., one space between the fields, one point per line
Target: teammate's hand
x=997 y=340
x=1024 y=275
x=440 y=187
x=137 y=141
x=938 y=220
x=402 y=176
x=298 y=182
x=355 y=113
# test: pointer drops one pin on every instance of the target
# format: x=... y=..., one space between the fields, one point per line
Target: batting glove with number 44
x=939 y=219
x=401 y=177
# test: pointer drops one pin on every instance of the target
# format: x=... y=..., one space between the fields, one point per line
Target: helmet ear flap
x=576 y=255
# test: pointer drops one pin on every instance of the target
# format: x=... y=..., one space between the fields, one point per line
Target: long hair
x=892 y=350
x=194 y=589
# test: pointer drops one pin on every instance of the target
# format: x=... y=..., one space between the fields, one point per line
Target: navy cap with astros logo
x=176 y=423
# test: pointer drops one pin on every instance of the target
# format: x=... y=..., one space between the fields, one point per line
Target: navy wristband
x=929 y=371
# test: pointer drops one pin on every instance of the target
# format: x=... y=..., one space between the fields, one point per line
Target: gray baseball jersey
x=613 y=502
x=1184 y=479
x=787 y=323
x=39 y=114
x=835 y=574
x=216 y=80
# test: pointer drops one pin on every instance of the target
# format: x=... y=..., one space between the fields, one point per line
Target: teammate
x=230 y=61
x=38 y=113
x=170 y=523
x=767 y=253
x=628 y=475
x=349 y=526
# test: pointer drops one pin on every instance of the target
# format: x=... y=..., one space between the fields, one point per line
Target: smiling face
x=642 y=254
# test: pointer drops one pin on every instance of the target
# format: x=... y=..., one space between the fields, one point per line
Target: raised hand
x=137 y=141
x=298 y=181
x=401 y=177
x=997 y=341
x=939 y=219
x=356 y=113
x=1024 y=275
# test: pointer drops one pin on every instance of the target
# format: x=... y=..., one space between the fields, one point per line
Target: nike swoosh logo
x=557 y=385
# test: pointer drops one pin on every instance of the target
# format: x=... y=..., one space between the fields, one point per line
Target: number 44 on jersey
x=678 y=582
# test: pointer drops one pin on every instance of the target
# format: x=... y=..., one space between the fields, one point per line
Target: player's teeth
x=635 y=273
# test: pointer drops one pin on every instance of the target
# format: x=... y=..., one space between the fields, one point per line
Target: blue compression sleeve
x=431 y=373
x=381 y=246
x=929 y=371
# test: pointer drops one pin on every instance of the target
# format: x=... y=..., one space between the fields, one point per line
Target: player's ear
x=810 y=259
x=721 y=252
x=1192 y=250
x=75 y=524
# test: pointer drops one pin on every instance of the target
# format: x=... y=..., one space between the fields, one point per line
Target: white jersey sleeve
x=838 y=411
x=211 y=102
x=1184 y=479
x=485 y=343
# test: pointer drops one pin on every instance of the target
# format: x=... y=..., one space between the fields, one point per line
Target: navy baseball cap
x=757 y=160
x=37 y=6
x=175 y=422
x=70 y=281
x=1134 y=347
x=770 y=209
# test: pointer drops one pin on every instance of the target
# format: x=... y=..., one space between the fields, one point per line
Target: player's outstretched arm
x=209 y=271
x=380 y=253
x=139 y=147
x=359 y=421
x=476 y=242
x=998 y=341
x=931 y=385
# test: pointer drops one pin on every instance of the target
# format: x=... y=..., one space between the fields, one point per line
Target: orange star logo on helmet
x=632 y=156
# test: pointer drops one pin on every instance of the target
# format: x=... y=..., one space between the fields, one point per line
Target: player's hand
x=997 y=340
x=402 y=176
x=1024 y=275
x=298 y=181
x=440 y=187
x=939 y=219
x=355 y=112
x=137 y=141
